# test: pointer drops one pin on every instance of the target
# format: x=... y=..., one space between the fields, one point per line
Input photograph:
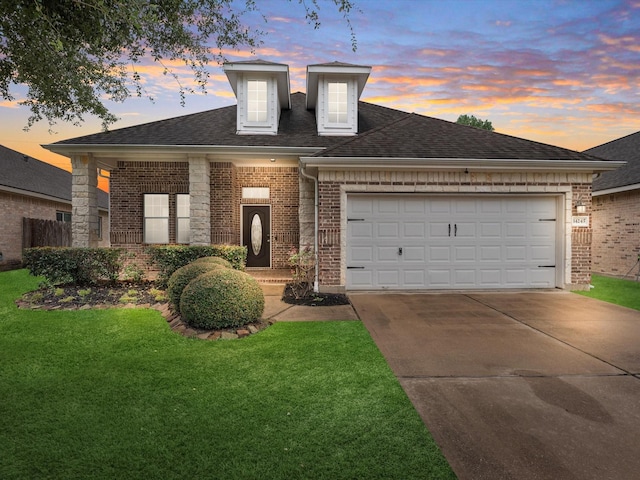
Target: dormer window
x=257 y=105
x=262 y=90
x=337 y=103
x=333 y=90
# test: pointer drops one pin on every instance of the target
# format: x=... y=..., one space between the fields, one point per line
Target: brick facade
x=130 y=180
x=334 y=186
x=616 y=233
x=15 y=207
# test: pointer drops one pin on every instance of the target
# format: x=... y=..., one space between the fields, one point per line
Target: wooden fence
x=45 y=233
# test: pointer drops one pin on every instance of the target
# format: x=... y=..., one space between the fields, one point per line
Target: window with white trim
x=63 y=216
x=156 y=218
x=257 y=101
x=337 y=102
x=183 y=222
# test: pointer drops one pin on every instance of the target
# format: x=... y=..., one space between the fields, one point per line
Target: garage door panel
x=451 y=242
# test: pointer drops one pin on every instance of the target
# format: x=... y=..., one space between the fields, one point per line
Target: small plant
x=133 y=273
x=158 y=295
x=58 y=292
x=303 y=264
x=129 y=297
x=221 y=298
x=68 y=299
x=83 y=293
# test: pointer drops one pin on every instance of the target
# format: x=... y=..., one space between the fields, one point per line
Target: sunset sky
x=564 y=72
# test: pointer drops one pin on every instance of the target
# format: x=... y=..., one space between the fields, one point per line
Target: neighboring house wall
x=616 y=233
x=15 y=207
x=334 y=185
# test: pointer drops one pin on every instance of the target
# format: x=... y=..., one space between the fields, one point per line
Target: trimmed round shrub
x=182 y=276
x=221 y=298
x=217 y=260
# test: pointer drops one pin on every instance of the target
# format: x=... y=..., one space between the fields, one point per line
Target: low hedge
x=169 y=258
x=70 y=265
x=221 y=298
x=212 y=260
x=182 y=276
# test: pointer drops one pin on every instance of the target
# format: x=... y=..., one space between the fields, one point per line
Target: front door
x=256 y=234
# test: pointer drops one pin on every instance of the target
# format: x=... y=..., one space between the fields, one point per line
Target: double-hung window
x=183 y=228
x=156 y=218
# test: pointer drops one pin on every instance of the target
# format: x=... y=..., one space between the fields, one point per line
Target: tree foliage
x=72 y=55
x=472 y=121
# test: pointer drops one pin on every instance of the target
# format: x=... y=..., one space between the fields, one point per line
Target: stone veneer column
x=200 y=198
x=84 y=201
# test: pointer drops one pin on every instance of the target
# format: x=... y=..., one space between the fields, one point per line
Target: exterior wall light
x=581 y=207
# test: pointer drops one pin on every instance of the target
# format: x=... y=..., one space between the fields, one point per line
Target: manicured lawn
x=615 y=290
x=114 y=393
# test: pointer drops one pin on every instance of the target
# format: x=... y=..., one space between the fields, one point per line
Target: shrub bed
x=214 y=260
x=221 y=298
x=69 y=265
x=169 y=258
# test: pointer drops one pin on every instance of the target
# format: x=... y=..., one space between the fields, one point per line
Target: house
x=616 y=209
x=387 y=199
x=30 y=188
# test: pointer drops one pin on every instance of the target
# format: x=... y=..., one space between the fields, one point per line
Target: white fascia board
x=106 y=155
x=609 y=191
x=475 y=164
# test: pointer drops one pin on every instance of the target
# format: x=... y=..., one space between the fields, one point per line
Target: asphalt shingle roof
x=23 y=172
x=626 y=149
x=383 y=132
x=418 y=136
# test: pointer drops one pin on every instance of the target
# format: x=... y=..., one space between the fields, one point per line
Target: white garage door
x=418 y=242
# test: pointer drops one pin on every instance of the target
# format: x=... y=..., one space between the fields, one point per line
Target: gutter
x=316 y=221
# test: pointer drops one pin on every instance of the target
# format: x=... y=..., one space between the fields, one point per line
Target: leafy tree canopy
x=472 y=121
x=73 y=54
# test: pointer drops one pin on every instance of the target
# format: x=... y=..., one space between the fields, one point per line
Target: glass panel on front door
x=256 y=234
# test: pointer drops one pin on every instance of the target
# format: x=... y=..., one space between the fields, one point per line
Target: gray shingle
x=23 y=172
x=626 y=149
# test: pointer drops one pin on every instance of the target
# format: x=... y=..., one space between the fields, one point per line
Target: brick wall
x=130 y=180
x=333 y=185
x=284 y=200
x=616 y=233
x=128 y=183
x=15 y=207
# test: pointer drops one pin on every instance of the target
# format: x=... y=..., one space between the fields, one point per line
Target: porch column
x=84 y=201
x=199 y=200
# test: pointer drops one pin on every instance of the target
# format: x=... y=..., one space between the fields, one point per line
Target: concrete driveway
x=542 y=385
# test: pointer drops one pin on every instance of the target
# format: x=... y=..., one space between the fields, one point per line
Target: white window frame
x=337 y=103
x=257 y=106
x=62 y=216
x=155 y=210
x=183 y=217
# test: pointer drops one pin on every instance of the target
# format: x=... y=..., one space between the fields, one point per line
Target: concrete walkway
x=517 y=385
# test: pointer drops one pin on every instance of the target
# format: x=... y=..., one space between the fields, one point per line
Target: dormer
x=333 y=90
x=262 y=91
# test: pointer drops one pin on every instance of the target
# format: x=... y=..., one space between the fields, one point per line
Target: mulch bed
x=312 y=299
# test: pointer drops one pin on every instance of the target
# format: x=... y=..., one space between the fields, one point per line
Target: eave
x=448 y=164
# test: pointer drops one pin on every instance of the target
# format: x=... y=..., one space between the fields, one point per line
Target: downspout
x=315 y=229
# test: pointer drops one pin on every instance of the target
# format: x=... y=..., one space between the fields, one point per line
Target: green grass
x=614 y=290
x=114 y=393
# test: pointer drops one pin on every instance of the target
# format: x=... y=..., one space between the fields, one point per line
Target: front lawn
x=614 y=290
x=106 y=394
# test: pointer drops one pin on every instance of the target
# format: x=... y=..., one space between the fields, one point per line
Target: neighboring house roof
x=625 y=149
x=23 y=173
